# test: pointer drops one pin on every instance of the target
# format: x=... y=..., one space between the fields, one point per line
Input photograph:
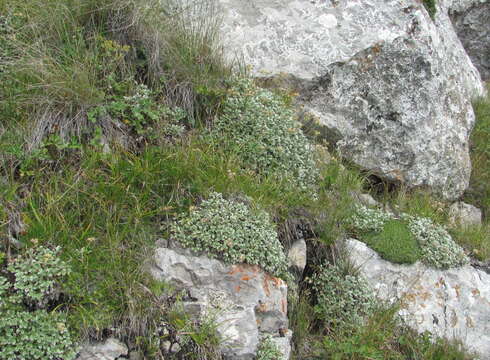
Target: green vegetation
x=268 y=350
x=232 y=232
x=344 y=299
x=395 y=243
x=27 y=329
x=383 y=337
x=479 y=190
x=431 y=7
x=121 y=123
x=260 y=126
x=423 y=240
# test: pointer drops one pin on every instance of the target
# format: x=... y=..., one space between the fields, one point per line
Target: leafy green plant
x=267 y=349
x=141 y=112
x=36 y=335
x=259 y=126
x=27 y=331
x=232 y=232
x=394 y=243
x=37 y=275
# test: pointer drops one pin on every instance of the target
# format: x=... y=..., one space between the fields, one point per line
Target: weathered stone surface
x=449 y=303
x=464 y=214
x=284 y=345
x=365 y=199
x=297 y=256
x=110 y=349
x=389 y=85
x=471 y=21
x=245 y=300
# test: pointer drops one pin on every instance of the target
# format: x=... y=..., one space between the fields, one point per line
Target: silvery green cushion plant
x=27 y=331
x=268 y=349
x=343 y=300
x=368 y=219
x=37 y=275
x=262 y=128
x=438 y=247
x=231 y=231
x=34 y=335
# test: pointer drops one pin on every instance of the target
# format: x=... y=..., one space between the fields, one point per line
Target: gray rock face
x=297 y=256
x=472 y=26
x=244 y=300
x=110 y=349
x=389 y=85
x=464 y=214
x=449 y=303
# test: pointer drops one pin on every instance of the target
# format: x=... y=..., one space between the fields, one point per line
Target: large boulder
x=246 y=301
x=390 y=87
x=447 y=303
x=110 y=349
x=471 y=20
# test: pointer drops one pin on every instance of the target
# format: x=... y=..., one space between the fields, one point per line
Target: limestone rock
x=464 y=214
x=284 y=345
x=245 y=300
x=366 y=200
x=391 y=87
x=110 y=349
x=449 y=303
x=471 y=20
x=297 y=256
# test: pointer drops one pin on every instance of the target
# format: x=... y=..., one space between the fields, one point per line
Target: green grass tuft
x=395 y=243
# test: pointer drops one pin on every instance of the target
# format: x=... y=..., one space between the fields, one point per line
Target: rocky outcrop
x=449 y=303
x=297 y=256
x=471 y=19
x=390 y=87
x=464 y=215
x=245 y=301
x=110 y=349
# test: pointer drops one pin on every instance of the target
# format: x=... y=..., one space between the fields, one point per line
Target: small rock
x=175 y=348
x=166 y=346
x=464 y=214
x=366 y=200
x=110 y=349
x=297 y=256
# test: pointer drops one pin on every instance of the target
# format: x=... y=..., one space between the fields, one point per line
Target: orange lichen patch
x=277 y=281
x=245 y=278
x=410 y=297
x=262 y=307
x=235 y=269
x=440 y=283
x=237 y=288
x=265 y=285
x=425 y=295
x=475 y=292
x=284 y=306
x=457 y=288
